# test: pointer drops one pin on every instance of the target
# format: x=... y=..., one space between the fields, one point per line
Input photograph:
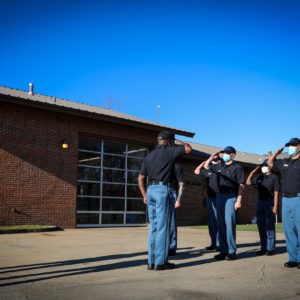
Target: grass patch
x=23 y=227
x=248 y=227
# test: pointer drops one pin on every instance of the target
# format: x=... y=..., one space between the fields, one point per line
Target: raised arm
x=198 y=169
x=188 y=148
x=248 y=181
x=273 y=156
x=206 y=165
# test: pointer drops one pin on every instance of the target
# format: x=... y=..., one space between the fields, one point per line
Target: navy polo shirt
x=211 y=182
x=230 y=176
x=290 y=174
x=266 y=185
x=177 y=176
x=159 y=163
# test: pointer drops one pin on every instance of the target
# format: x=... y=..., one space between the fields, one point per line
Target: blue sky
x=227 y=70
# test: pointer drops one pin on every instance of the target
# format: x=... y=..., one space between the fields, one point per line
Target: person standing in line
x=212 y=190
x=229 y=199
x=177 y=186
x=290 y=174
x=158 y=166
x=268 y=187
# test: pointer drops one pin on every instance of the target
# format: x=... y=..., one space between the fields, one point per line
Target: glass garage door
x=108 y=192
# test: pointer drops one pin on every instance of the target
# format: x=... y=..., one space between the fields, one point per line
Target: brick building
x=93 y=182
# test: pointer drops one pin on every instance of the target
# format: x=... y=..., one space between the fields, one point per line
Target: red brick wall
x=37 y=177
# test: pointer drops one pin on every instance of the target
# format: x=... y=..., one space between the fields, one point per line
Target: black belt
x=291 y=195
x=157 y=182
x=228 y=192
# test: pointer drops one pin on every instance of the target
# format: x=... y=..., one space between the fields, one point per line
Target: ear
x=232 y=155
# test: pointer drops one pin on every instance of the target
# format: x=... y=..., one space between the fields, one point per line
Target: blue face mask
x=226 y=157
x=292 y=151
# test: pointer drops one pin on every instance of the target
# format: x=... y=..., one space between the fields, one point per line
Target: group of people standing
x=225 y=187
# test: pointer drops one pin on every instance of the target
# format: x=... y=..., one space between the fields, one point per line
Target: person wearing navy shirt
x=177 y=190
x=231 y=180
x=268 y=187
x=290 y=174
x=211 y=209
x=158 y=166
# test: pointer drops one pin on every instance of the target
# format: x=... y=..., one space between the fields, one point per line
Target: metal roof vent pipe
x=30 y=89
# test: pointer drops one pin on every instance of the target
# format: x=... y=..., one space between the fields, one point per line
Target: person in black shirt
x=158 y=166
x=268 y=187
x=231 y=180
x=211 y=209
x=290 y=174
x=177 y=190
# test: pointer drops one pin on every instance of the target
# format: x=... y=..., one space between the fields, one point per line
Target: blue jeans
x=212 y=221
x=173 y=223
x=266 y=224
x=226 y=216
x=158 y=200
x=291 y=226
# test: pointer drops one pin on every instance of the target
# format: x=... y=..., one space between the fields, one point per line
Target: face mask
x=265 y=169
x=292 y=151
x=226 y=157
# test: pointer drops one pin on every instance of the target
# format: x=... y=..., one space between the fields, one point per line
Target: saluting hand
x=280 y=150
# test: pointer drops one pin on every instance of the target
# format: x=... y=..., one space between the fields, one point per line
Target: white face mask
x=265 y=169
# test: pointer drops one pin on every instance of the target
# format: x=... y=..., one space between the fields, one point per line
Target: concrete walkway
x=109 y=263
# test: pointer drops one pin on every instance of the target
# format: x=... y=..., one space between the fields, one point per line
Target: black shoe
x=231 y=256
x=167 y=266
x=218 y=248
x=211 y=247
x=220 y=256
x=261 y=252
x=172 y=253
x=270 y=252
x=291 y=264
x=298 y=267
x=150 y=267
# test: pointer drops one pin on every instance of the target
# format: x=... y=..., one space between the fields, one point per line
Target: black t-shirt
x=159 y=163
x=211 y=182
x=290 y=173
x=177 y=176
x=230 y=176
x=266 y=185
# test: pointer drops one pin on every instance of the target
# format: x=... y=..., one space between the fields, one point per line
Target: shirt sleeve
x=179 y=173
x=278 y=163
x=176 y=151
x=254 y=180
x=240 y=175
x=276 y=184
x=143 y=169
x=204 y=172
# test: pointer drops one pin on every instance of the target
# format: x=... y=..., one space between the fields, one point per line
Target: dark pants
x=266 y=224
x=173 y=223
x=212 y=220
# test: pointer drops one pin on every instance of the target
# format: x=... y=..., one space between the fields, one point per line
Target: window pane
x=89 y=173
x=135 y=205
x=115 y=148
x=133 y=191
x=89 y=144
x=139 y=151
x=89 y=159
x=132 y=177
x=135 y=219
x=87 y=203
x=113 y=204
x=134 y=164
x=87 y=218
x=113 y=190
x=110 y=161
x=112 y=218
x=89 y=189
x=113 y=175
